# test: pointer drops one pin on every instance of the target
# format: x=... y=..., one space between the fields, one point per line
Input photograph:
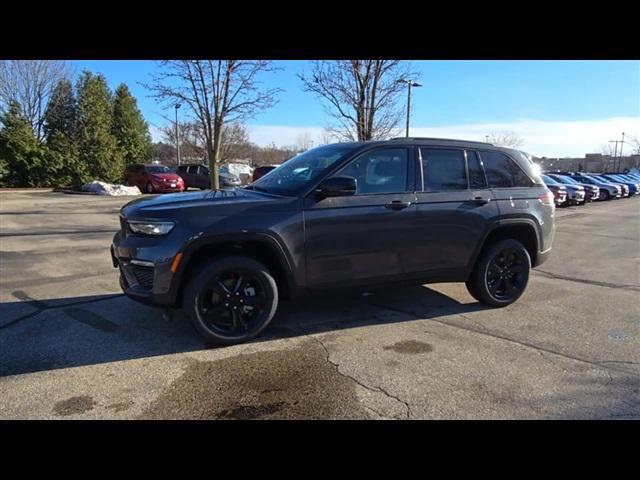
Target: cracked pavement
x=74 y=347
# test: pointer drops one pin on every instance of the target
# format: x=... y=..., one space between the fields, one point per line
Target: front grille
x=144 y=275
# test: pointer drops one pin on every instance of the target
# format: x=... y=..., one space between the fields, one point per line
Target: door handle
x=397 y=205
x=481 y=200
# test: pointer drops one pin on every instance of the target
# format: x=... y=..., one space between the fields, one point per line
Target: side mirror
x=337 y=187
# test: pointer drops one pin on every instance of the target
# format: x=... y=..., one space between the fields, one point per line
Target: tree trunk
x=214 y=155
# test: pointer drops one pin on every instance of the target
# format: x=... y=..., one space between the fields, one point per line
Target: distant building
x=591 y=162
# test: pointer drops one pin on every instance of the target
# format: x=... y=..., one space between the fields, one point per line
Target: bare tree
x=29 y=82
x=506 y=139
x=304 y=141
x=234 y=138
x=634 y=142
x=327 y=137
x=361 y=96
x=217 y=92
x=192 y=142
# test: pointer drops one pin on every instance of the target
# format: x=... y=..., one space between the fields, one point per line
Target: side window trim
x=482 y=171
x=421 y=168
x=466 y=169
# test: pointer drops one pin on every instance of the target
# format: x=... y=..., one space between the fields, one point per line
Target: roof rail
x=442 y=139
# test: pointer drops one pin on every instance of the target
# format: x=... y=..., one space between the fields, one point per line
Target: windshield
x=302 y=170
x=565 y=180
x=549 y=180
x=158 y=169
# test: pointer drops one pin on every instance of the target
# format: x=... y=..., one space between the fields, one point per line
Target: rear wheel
x=604 y=195
x=501 y=274
x=231 y=300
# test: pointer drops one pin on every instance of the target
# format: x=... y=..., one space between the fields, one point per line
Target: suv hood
x=227 y=201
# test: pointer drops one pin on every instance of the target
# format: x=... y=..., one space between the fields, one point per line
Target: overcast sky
x=559 y=108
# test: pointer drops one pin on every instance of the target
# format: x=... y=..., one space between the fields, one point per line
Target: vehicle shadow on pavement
x=40 y=335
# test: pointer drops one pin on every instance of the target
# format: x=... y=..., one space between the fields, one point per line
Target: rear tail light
x=546 y=199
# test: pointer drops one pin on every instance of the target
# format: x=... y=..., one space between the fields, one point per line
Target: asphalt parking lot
x=72 y=346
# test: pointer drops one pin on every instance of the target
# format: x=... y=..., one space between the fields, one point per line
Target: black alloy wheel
x=231 y=300
x=501 y=274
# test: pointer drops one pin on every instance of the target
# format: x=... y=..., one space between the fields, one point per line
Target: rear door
x=454 y=205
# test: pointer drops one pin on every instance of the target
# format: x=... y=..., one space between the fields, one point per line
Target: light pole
x=410 y=83
x=615 y=153
x=621 y=147
x=486 y=138
x=177 y=106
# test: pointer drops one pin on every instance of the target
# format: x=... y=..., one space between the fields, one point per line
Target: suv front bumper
x=147 y=282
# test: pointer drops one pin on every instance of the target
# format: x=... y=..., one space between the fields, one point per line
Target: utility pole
x=177 y=106
x=615 y=154
x=410 y=83
x=621 y=147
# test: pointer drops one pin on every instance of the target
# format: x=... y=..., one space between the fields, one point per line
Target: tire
x=149 y=187
x=217 y=301
x=604 y=195
x=482 y=284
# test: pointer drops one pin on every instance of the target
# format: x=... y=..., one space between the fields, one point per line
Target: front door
x=362 y=237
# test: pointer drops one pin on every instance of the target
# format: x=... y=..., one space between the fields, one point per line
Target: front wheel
x=501 y=274
x=149 y=187
x=231 y=300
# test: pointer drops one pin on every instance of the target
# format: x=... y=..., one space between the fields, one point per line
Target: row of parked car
x=577 y=188
x=157 y=178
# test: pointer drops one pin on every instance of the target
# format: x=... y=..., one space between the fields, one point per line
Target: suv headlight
x=151 y=227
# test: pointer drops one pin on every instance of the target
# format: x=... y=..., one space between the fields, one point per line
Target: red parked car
x=261 y=171
x=153 y=178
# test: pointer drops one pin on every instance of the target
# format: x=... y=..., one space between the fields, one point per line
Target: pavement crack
x=377 y=388
x=556 y=276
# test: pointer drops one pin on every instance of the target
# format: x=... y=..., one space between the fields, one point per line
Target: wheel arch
x=259 y=246
x=523 y=229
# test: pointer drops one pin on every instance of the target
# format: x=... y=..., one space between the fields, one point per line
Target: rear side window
x=476 y=176
x=503 y=172
x=443 y=169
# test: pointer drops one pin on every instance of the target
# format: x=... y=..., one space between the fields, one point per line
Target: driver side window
x=379 y=171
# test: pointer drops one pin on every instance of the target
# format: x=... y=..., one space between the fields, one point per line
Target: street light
x=177 y=106
x=410 y=83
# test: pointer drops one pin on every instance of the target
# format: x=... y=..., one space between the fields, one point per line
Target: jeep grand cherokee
x=342 y=215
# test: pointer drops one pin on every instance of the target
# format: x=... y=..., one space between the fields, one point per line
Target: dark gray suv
x=343 y=215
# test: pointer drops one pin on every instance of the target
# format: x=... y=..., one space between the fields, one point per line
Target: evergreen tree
x=60 y=114
x=23 y=158
x=97 y=146
x=129 y=127
x=60 y=136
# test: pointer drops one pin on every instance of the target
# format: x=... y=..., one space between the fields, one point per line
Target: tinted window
x=443 y=169
x=303 y=170
x=502 y=172
x=182 y=168
x=476 y=176
x=379 y=171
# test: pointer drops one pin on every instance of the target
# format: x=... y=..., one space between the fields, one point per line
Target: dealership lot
x=72 y=346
